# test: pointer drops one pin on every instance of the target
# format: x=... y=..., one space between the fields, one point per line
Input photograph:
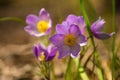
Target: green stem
x=78 y=66
x=83 y=73
x=113 y=40
x=68 y=70
x=53 y=72
x=48 y=70
x=87 y=22
x=95 y=57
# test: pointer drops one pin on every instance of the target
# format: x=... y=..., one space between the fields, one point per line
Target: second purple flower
x=68 y=40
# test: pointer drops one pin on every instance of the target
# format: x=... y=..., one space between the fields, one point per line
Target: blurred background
x=16 y=57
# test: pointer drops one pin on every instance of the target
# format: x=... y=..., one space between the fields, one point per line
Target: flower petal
x=81 y=23
x=36 y=51
x=33 y=31
x=63 y=51
x=32 y=19
x=62 y=28
x=98 y=25
x=72 y=19
x=75 y=50
x=48 y=31
x=74 y=29
x=102 y=35
x=52 y=54
x=57 y=39
x=41 y=49
x=82 y=40
x=49 y=48
x=44 y=15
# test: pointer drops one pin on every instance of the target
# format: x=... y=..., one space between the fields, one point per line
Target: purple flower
x=96 y=30
x=77 y=20
x=44 y=54
x=68 y=40
x=39 y=25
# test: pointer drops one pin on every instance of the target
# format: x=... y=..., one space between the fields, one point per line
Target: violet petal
x=33 y=31
x=81 y=23
x=72 y=19
x=63 y=51
x=75 y=50
x=52 y=54
x=41 y=49
x=98 y=25
x=62 y=28
x=57 y=39
x=82 y=40
x=44 y=15
x=102 y=35
x=36 y=51
x=74 y=29
x=32 y=19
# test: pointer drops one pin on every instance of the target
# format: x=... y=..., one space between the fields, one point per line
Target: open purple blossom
x=68 y=40
x=77 y=20
x=39 y=25
x=44 y=54
x=96 y=30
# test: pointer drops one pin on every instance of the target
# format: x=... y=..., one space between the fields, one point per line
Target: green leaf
x=12 y=19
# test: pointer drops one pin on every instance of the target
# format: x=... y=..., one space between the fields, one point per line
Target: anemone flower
x=68 y=40
x=43 y=54
x=39 y=25
x=77 y=20
x=97 y=27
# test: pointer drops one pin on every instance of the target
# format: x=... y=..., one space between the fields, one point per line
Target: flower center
x=70 y=40
x=42 y=56
x=42 y=26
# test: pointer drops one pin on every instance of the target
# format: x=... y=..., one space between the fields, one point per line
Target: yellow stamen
x=42 y=56
x=70 y=40
x=42 y=26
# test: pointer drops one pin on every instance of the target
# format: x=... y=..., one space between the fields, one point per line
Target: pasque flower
x=68 y=39
x=39 y=25
x=77 y=20
x=43 y=54
x=96 y=28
